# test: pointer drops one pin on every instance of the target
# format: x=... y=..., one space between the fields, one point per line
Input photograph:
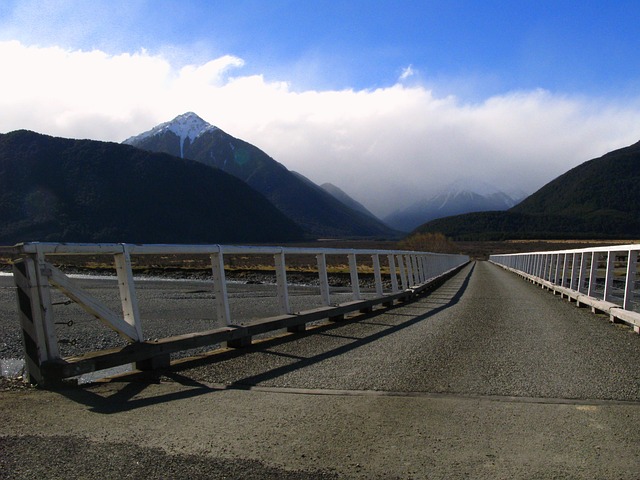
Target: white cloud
x=386 y=147
x=406 y=73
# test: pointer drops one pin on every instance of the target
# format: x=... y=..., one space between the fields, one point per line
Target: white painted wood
x=223 y=313
x=407 y=261
x=552 y=267
x=92 y=305
x=353 y=270
x=391 y=259
x=281 y=281
x=377 y=274
x=608 y=279
x=403 y=272
x=426 y=266
x=324 y=279
x=593 y=273
x=579 y=288
x=32 y=325
x=630 y=276
x=44 y=295
x=42 y=275
x=557 y=270
x=411 y=269
x=543 y=266
x=575 y=270
x=543 y=263
x=583 y=271
x=149 y=249
x=565 y=270
x=420 y=269
x=127 y=289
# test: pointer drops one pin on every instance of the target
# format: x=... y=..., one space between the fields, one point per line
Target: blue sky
x=588 y=47
x=517 y=90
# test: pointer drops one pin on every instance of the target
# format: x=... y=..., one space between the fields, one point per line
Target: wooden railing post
x=377 y=274
x=409 y=271
x=593 y=274
x=403 y=273
x=608 y=278
x=128 y=296
x=223 y=313
x=323 y=279
x=632 y=263
x=353 y=271
x=281 y=281
x=32 y=311
x=392 y=270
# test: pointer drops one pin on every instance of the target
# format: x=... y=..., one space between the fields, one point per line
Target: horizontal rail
x=408 y=271
x=605 y=278
x=47 y=248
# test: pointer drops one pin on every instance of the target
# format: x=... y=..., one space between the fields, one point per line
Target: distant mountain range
x=208 y=187
x=597 y=199
x=316 y=211
x=62 y=190
x=458 y=198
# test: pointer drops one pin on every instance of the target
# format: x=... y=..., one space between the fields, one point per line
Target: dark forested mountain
x=345 y=198
x=598 y=199
x=315 y=210
x=56 y=189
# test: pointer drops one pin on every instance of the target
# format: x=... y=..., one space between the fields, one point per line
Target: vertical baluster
x=392 y=270
x=377 y=274
x=403 y=273
x=608 y=279
x=281 y=281
x=583 y=272
x=223 y=312
x=128 y=296
x=593 y=274
x=324 y=279
x=353 y=269
x=632 y=263
x=574 y=271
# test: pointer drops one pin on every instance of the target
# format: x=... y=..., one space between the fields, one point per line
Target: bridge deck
x=487 y=377
x=484 y=333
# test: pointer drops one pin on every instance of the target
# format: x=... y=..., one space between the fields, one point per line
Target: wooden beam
x=91 y=304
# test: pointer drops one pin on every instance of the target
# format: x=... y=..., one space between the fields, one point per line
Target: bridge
x=482 y=374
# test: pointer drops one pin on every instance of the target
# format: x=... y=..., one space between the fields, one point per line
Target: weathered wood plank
x=91 y=305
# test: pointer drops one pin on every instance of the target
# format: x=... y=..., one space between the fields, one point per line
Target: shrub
x=428 y=242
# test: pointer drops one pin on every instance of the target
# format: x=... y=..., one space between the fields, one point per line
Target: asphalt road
x=487 y=377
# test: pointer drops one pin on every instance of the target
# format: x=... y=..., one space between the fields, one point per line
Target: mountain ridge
x=66 y=190
x=315 y=210
x=345 y=198
x=599 y=198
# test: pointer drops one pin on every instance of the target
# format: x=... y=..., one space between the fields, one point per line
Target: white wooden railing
x=35 y=274
x=605 y=278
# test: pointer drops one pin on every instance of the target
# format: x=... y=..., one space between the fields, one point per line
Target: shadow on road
x=131 y=395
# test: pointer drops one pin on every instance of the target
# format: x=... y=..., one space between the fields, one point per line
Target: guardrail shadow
x=131 y=395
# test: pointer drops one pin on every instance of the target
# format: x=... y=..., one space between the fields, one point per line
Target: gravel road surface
x=487 y=377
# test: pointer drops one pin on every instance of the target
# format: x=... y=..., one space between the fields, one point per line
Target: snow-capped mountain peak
x=462 y=196
x=470 y=185
x=188 y=125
